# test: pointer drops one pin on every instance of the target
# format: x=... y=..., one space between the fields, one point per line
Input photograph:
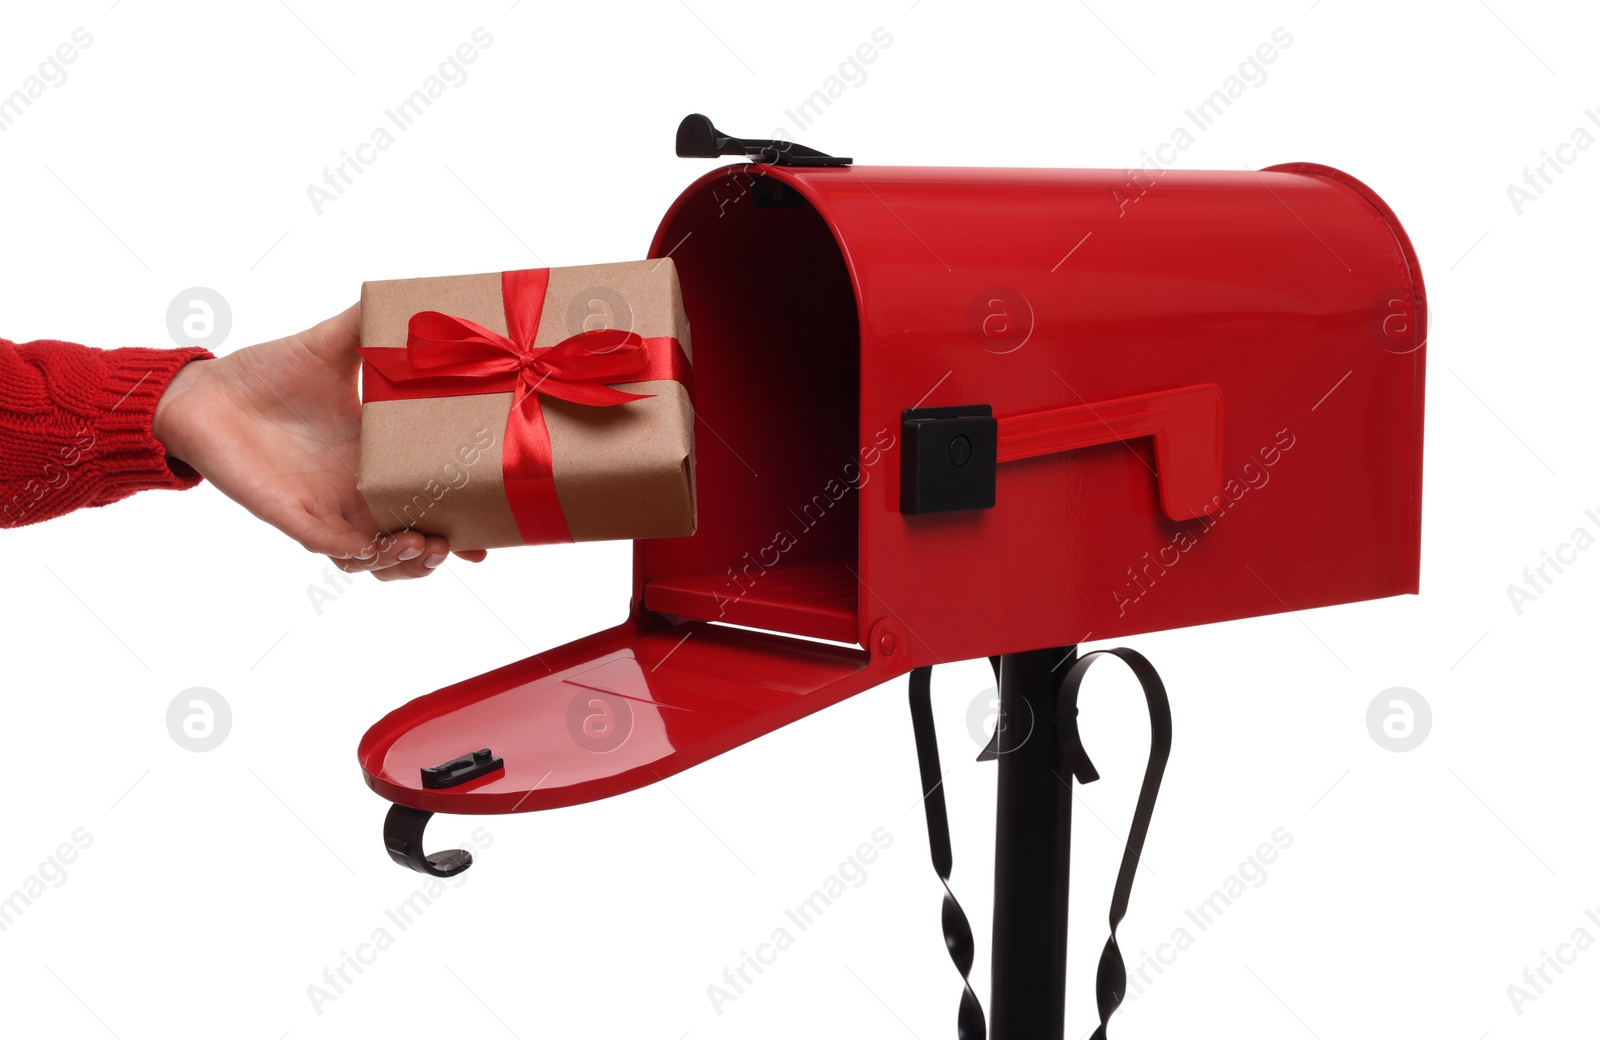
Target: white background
x=220 y=885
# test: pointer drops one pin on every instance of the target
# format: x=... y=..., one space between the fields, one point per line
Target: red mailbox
x=947 y=413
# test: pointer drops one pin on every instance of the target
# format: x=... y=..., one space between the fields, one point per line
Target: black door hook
x=402 y=836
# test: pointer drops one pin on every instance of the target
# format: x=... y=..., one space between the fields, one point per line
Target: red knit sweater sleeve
x=75 y=426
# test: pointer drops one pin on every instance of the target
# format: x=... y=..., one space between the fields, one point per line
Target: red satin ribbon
x=448 y=356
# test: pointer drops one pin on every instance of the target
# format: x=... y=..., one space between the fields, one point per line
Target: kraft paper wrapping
x=621 y=471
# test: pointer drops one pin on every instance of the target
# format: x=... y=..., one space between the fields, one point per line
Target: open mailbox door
x=610 y=713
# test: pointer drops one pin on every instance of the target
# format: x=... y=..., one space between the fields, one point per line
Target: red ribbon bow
x=446 y=355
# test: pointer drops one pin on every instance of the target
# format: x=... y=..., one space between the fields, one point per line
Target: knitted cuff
x=130 y=458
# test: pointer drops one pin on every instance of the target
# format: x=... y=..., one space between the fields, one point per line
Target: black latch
x=459 y=770
x=947 y=459
x=698 y=139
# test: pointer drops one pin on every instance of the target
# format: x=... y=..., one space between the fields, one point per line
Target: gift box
x=528 y=407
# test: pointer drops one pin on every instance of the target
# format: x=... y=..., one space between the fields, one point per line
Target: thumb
x=334 y=341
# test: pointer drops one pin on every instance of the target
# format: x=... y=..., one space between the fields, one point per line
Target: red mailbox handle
x=1186 y=424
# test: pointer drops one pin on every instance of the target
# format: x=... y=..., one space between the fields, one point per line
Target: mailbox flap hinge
x=948 y=458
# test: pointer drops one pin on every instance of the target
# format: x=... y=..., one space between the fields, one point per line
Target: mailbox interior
x=776 y=342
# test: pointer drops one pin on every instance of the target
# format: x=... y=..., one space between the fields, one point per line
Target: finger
x=419 y=548
x=339 y=542
x=392 y=550
x=434 y=553
x=473 y=555
x=350 y=548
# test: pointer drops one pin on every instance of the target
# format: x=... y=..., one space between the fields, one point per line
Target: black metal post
x=1033 y=844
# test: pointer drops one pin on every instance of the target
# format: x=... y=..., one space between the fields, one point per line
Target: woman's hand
x=277 y=428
